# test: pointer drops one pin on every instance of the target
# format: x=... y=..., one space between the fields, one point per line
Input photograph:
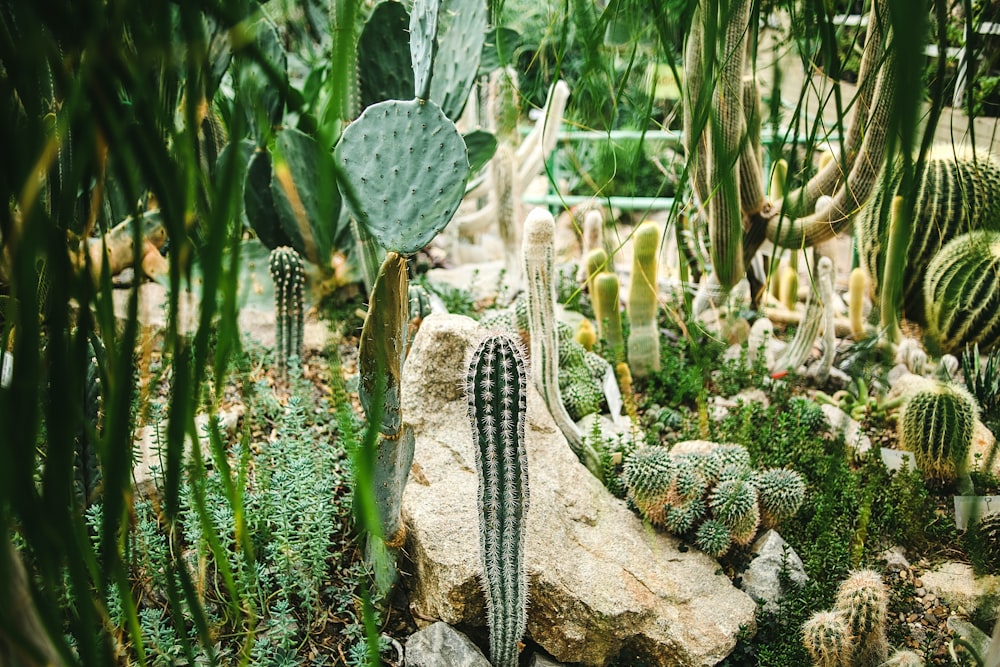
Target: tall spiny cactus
x=496 y=390
x=644 y=334
x=936 y=424
x=962 y=293
x=539 y=268
x=952 y=195
x=827 y=638
x=863 y=600
x=288 y=273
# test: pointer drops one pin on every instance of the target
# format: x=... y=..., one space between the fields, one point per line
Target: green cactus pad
x=406 y=166
x=308 y=209
x=384 y=68
x=481 y=146
x=423 y=44
x=258 y=201
x=962 y=294
x=393 y=459
x=461 y=35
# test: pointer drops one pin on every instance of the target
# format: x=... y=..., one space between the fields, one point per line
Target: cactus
x=713 y=537
x=788 y=286
x=585 y=335
x=689 y=479
x=961 y=292
x=780 y=493
x=380 y=364
x=648 y=477
x=404 y=167
x=504 y=168
x=936 y=424
x=606 y=306
x=857 y=287
x=458 y=45
x=644 y=335
x=592 y=238
x=818 y=315
x=496 y=390
x=779 y=176
x=953 y=195
x=384 y=68
x=904 y=659
x=539 y=269
x=289 y=277
x=827 y=638
x=725 y=455
x=596 y=262
x=863 y=600
x=581 y=395
x=734 y=503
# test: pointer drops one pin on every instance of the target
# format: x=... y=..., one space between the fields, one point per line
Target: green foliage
x=982 y=379
x=496 y=389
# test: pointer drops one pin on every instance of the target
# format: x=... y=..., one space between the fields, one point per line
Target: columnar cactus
x=539 y=273
x=606 y=307
x=863 y=599
x=788 y=286
x=289 y=275
x=644 y=335
x=936 y=424
x=592 y=239
x=961 y=290
x=596 y=262
x=857 y=288
x=818 y=316
x=780 y=493
x=496 y=390
x=827 y=638
x=904 y=659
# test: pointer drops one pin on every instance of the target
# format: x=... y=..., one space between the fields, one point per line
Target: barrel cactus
x=962 y=293
x=289 y=275
x=952 y=195
x=827 y=638
x=936 y=424
x=496 y=390
x=863 y=599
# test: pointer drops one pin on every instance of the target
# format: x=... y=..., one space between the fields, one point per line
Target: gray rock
x=761 y=580
x=599 y=580
x=841 y=422
x=440 y=645
x=895 y=558
x=539 y=660
x=956 y=584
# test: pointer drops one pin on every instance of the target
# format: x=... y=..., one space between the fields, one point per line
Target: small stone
x=539 y=660
x=920 y=592
x=762 y=578
x=440 y=644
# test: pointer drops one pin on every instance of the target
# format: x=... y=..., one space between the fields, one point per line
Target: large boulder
x=600 y=582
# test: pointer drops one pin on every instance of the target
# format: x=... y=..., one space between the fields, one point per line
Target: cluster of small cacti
x=936 y=424
x=289 y=275
x=853 y=633
x=717 y=499
x=496 y=391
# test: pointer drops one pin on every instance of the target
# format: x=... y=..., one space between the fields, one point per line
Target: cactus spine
x=827 y=638
x=644 y=335
x=289 y=275
x=936 y=424
x=496 y=390
x=863 y=600
x=539 y=267
x=961 y=291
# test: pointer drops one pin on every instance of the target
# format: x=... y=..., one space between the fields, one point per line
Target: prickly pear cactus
x=936 y=424
x=496 y=390
x=289 y=277
x=384 y=69
x=405 y=167
x=461 y=35
x=962 y=294
x=863 y=599
x=952 y=195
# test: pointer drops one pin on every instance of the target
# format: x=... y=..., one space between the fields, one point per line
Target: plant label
x=894 y=458
x=980 y=506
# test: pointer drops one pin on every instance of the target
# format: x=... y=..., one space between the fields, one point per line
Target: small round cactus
x=580 y=394
x=689 y=481
x=713 y=538
x=649 y=474
x=723 y=455
x=904 y=659
x=780 y=492
x=681 y=518
x=586 y=335
x=936 y=424
x=827 y=638
x=863 y=599
x=734 y=503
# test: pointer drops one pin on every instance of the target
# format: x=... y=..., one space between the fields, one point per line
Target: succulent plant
x=780 y=493
x=936 y=424
x=734 y=503
x=496 y=390
x=679 y=519
x=863 y=599
x=689 y=479
x=606 y=306
x=644 y=335
x=817 y=317
x=904 y=659
x=289 y=275
x=857 y=288
x=723 y=455
x=592 y=238
x=827 y=638
x=648 y=477
x=581 y=395
x=586 y=335
x=962 y=293
x=713 y=537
